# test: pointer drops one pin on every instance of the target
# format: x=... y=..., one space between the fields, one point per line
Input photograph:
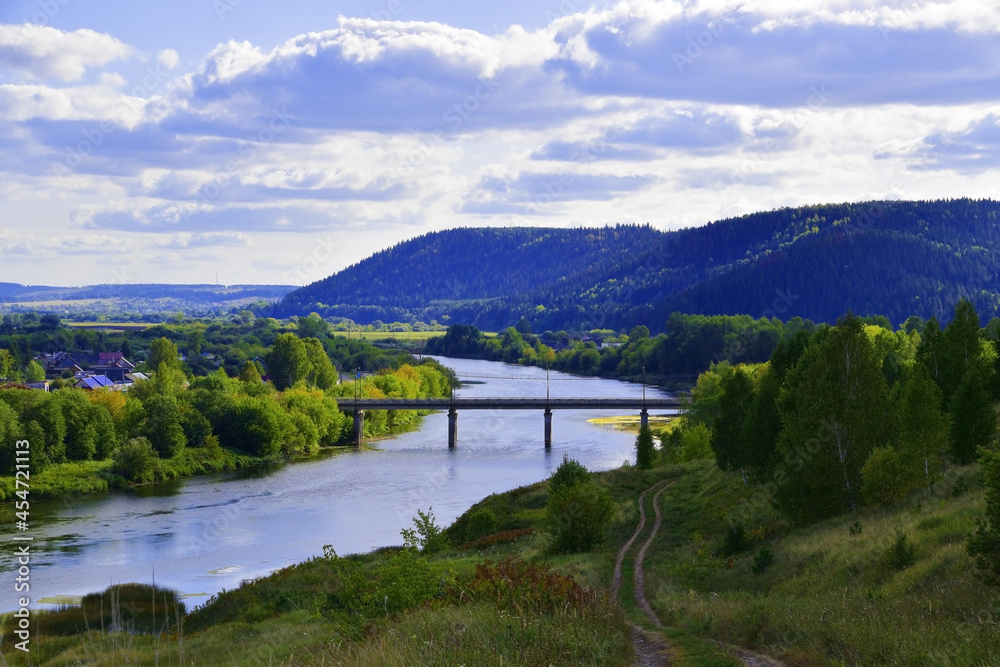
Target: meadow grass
x=832 y=594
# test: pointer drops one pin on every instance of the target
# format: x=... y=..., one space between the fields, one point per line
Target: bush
x=645 y=450
x=763 y=560
x=569 y=473
x=425 y=535
x=902 y=554
x=984 y=544
x=136 y=461
x=577 y=517
x=482 y=522
x=696 y=443
x=735 y=540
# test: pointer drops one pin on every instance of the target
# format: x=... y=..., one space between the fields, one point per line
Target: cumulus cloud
x=974 y=149
x=168 y=58
x=41 y=52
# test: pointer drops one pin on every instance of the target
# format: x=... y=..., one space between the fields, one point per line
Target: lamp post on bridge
x=548 y=413
x=644 y=415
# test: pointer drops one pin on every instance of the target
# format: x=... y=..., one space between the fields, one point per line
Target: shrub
x=696 y=443
x=735 y=540
x=577 y=517
x=763 y=560
x=984 y=544
x=901 y=554
x=502 y=537
x=425 y=535
x=645 y=450
x=136 y=461
x=480 y=523
x=569 y=473
x=521 y=586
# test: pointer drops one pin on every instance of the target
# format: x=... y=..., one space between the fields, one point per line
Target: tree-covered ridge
x=891 y=258
x=463 y=267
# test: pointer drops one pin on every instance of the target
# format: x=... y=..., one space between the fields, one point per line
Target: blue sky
x=279 y=142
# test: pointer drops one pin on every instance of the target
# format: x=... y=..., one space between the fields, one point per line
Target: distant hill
x=893 y=258
x=140 y=298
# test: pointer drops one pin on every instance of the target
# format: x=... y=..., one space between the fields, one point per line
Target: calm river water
x=203 y=534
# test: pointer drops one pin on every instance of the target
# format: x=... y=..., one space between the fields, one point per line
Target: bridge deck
x=349 y=404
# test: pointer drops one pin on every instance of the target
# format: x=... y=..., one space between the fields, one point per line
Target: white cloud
x=42 y=52
x=168 y=58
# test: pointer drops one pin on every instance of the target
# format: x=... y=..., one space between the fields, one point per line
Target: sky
x=246 y=141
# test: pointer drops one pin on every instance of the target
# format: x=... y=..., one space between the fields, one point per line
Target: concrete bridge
x=453 y=405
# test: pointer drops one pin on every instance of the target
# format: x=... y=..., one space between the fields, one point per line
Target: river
x=203 y=534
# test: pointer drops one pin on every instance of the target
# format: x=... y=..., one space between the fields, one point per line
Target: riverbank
x=830 y=593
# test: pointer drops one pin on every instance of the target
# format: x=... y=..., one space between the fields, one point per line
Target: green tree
x=425 y=535
x=973 y=419
x=577 y=517
x=8 y=366
x=163 y=426
x=923 y=428
x=34 y=372
x=194 y=342
x=313 y=326
x=984 y=544
x=929 y=352
x=288 y=361
x=257 y=426
x=731 y=453
x=569 y=473
x=322 y=374
x=645 y=450
x=249 y=373
x=961 y=347
x=163 y=351
x=10 y=432
x=835 y=409
x=136 y=461
x=81 y=435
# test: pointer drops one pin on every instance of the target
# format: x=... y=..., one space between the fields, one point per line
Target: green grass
x=389 y=335
x=830 y=597
x=84 y=477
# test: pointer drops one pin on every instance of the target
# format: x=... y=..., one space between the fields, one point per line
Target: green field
x=393 y=335
x=111 y=326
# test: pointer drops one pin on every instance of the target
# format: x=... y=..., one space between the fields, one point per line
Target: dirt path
x=638 y=569
x=616 y=579
x=651 y=649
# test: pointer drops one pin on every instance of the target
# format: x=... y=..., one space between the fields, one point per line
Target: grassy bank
x=83 y=477
x=877 y=587
x=841 y=592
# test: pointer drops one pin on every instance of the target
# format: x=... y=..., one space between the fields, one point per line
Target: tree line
x=293 y=413
x=850 y=415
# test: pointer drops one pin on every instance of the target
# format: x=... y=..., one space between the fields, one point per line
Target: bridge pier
x=452 y=427
x=359 y=428
x=548 y=427
x=644 y=418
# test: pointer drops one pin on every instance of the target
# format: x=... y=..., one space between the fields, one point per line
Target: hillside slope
x=897 y=258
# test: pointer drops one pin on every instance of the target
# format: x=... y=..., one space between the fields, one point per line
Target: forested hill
x=896 y=258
